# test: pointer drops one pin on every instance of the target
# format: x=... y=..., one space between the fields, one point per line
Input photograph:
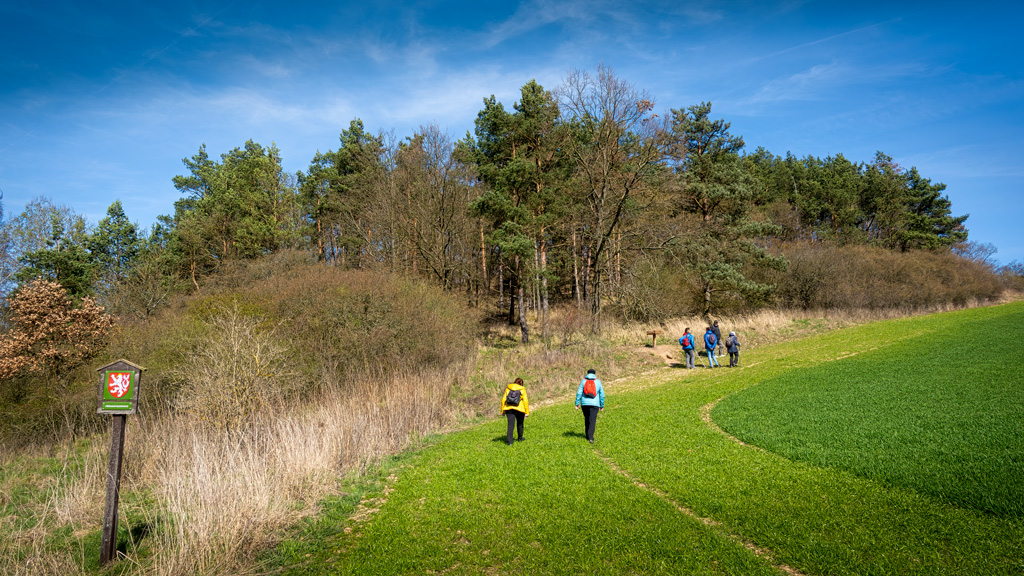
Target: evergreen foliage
x=713 y=186
x=64 y=260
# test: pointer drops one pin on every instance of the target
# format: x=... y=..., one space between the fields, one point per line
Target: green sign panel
x=119 y=384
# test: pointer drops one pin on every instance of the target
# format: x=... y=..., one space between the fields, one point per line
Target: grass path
x=662 y=492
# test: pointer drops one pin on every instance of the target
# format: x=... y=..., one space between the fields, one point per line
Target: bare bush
x=1012 y=275
x=824 y=276
x=236 y=371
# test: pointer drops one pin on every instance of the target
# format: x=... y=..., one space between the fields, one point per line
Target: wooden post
x=108 y=546
x=119 y=397
x=654 y=337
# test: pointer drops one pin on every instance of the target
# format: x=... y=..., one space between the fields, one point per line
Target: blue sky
x=101 y=100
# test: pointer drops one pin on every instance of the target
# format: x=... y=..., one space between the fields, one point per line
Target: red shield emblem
x=118 y=383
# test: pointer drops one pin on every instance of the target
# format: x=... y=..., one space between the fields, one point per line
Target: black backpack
x=513 y=398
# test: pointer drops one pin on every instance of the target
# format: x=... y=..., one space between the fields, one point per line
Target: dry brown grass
x=226 y=495
x=220 y=497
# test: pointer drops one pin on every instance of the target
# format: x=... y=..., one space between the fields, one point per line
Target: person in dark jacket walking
x=710 y=342
x=689 y=345
x=590 y=404
x=732 y=345
x=515 y=407
x=718 y=337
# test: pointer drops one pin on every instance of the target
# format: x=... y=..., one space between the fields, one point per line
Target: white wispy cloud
x=534 y=14
x=824 y=40
x=807 y=85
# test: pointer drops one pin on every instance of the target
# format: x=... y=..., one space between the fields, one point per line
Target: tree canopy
x=583 y=194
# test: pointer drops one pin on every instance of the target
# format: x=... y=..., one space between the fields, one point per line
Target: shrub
x=1012 y=275
x=830 y=276
x=42 y=356
x=358 y=323
x=337 y=326
x=236 y=371
x=47 y=333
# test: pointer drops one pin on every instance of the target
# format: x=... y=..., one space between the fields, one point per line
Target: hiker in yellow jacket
x=515 y=407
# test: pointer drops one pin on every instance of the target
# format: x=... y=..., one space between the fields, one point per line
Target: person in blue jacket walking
x=710 y=341
x=688 y=344
x=590 y=398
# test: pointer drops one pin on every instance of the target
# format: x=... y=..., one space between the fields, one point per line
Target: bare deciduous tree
x=618 y=147
x=435 y=192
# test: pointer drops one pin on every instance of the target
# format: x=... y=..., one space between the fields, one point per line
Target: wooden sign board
x=119 y=388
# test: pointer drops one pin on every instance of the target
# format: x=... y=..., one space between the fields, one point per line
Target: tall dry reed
x=224 y=495
x=219 y=497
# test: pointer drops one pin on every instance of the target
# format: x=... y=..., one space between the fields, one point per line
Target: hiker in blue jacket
x=710 y=341
x=732 y=345
x=688 y=344
x=590 y=405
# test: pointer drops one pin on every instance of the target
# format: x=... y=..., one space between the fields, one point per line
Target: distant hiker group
x=712 y=343
x=589 y=398
x=590 y=393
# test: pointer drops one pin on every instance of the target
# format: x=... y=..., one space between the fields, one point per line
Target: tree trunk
x=576 y=274
x=536 y=282
x=587 y=261
x=513 y=290
x=483 y=258
x=524 y=329
x=619 y=263
x=595 y=302
x=319 y=231
x=544 y=288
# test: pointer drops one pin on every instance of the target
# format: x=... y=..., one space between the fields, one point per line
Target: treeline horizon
x=579 y=195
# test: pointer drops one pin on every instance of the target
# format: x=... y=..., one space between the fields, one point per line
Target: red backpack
x=589 y=388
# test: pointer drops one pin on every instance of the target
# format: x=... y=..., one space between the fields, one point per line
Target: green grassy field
x=665 y=491
x=940 y=414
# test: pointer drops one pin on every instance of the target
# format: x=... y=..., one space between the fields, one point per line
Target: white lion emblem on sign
x=118 y=383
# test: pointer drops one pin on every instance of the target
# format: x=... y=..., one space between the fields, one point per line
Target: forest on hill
x=581 y=197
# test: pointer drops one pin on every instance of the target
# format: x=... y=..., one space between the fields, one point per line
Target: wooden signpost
x=118 y=396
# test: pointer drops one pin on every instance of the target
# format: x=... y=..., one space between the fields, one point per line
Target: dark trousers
x=515 y=420
x=734 y=358
x=590 y=420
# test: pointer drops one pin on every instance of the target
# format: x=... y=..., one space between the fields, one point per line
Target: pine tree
x=718 y=243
